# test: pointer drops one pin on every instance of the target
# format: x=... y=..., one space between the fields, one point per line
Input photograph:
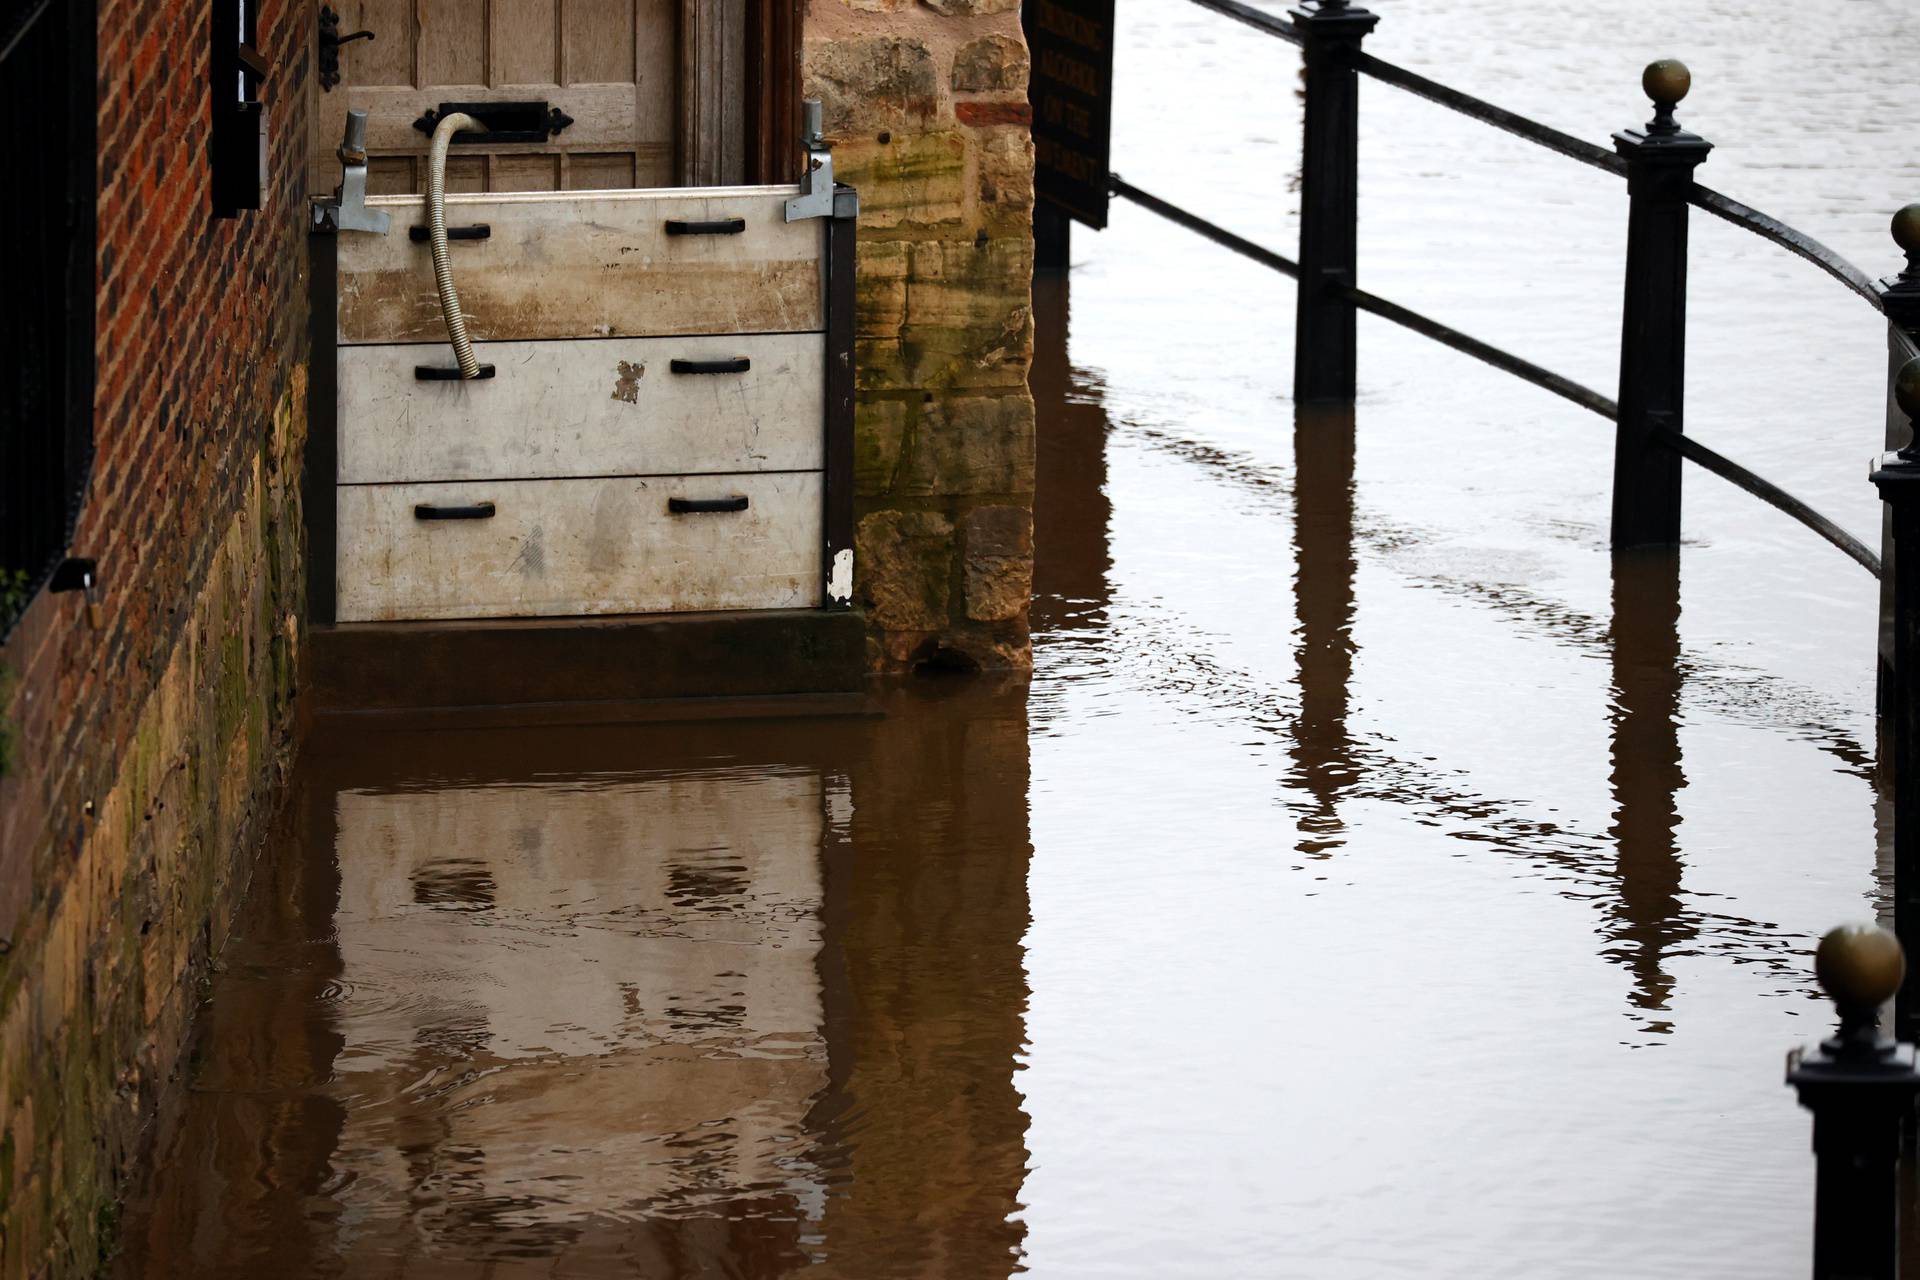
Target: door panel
x=610 y=64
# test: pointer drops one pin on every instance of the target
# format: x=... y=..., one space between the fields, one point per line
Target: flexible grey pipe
x=450 y=124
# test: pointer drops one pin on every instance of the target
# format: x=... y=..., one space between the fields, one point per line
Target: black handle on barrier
x=472 y=231
x=713 y=227
x=734 y=364
x=690 y=506
x=478 y=511
x=442 y=373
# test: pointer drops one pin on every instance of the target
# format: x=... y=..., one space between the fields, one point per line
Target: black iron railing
x=1862 y=1096
x=1337 y=290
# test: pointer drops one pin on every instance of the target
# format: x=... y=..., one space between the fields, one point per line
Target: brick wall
x=926 y=107
x=141 y=757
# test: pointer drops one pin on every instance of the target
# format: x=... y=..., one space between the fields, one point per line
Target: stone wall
x=141 y=757
x=926 y=108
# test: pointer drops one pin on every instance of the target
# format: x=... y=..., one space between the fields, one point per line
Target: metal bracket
x=350 y=212
x=75 y=574
x=816 y=184
x=505 y=122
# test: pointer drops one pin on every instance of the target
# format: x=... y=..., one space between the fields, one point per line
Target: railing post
x=1898 y=478
x=1323 y=336
x=1900 y=299
x=1860 y=1087
x=1900 y=294
x=1661 y=157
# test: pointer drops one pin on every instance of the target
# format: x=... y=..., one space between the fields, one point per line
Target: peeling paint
x=627 y=386
x=840 y=581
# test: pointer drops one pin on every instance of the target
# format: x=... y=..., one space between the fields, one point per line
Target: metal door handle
x=478 y=511
x=735 y=364
x=716 y=227
x=687 y=506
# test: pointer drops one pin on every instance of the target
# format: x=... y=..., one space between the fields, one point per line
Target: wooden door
x=612 y=65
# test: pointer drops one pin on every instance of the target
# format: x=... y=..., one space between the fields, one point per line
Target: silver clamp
x=816 y=184
x=350 y=212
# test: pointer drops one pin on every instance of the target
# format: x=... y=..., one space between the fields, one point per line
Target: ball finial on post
x=1666 y=81
x=1906 y=234
x=1906 y=394
x=1906 y=390
x=1860 y=965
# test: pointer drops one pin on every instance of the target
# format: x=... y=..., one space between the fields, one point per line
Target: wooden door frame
x=773 y=93
x=726 y=136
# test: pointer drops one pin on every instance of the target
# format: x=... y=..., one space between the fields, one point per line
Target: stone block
x=1006 y=176
x=997 y=563
x=878 y=429
x=870 y=86
x=991 y=646
x=920 y=180
x=970 y=445
x=971 y=8
x=990 y=64
x=880 y=288
x=963 y=282
x=905 y=562
x=991 y=354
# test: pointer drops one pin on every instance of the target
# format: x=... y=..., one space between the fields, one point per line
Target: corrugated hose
x=450 y=124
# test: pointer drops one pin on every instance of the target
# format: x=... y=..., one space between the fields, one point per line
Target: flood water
x=1376 y=878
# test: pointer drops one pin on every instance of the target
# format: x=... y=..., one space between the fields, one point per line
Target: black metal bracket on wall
x=505 y=121
x=836 y=567
x=237 y=136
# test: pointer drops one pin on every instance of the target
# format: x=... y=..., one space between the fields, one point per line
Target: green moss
x=106 y=1231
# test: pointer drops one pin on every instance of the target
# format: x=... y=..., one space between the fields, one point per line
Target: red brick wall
x=141 y=756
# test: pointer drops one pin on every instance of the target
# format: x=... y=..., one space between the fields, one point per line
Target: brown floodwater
x=1376 y=878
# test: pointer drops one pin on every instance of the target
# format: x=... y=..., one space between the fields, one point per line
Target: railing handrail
x=1790 y=238
x=1258 y=19
x=1793 y=240
x=1771 y=494
x=1479 y=109
x=1686 y=446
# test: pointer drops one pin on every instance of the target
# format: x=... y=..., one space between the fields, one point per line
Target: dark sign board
x=1071 y=89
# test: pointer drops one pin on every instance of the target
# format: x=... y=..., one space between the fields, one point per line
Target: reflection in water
x=614 y=1002
x=1071 y=510
x=1647 y=920
x=750 y=998
x=926 y=992
x=1323 y=600
x=265 y=1050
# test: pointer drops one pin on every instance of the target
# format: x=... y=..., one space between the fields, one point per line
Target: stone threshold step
x=544 y=665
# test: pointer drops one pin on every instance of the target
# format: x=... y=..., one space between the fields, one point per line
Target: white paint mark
x=840 y=581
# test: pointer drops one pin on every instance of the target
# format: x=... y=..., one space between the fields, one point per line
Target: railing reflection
x=1647 y=921
x=1321 y=749
x=1071 y=511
